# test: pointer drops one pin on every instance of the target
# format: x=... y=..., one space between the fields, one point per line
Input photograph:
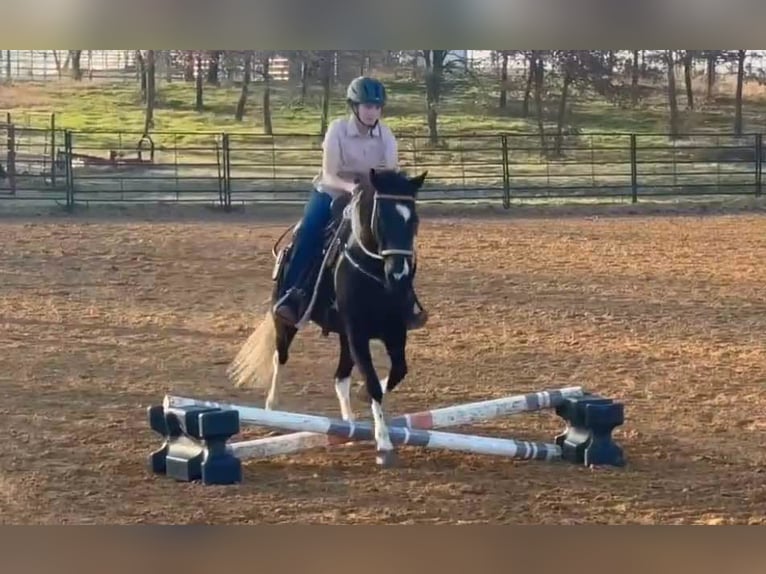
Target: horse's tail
x=254 y=364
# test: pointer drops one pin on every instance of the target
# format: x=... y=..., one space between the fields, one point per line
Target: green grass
x=466 y=108
x=111 y=116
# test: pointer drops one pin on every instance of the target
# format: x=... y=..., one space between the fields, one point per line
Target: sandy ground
x=100 y=316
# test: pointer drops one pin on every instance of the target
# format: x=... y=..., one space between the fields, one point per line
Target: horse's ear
x=418 y=181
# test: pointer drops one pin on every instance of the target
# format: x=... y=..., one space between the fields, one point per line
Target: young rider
x=352 y=146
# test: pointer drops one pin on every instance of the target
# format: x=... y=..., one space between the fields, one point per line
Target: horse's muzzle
x=398 y=272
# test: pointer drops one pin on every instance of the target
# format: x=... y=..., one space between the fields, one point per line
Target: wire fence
x=226 y=169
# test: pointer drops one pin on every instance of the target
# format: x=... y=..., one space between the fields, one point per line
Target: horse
x=361 y=293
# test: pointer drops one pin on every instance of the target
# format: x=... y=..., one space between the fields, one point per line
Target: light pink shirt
x=349 y=152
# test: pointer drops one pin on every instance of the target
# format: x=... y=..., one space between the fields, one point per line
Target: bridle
x=356 y=226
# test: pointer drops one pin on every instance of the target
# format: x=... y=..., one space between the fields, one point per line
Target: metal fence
x=226 y=169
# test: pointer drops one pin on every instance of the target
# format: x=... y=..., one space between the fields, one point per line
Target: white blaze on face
x=404 y=211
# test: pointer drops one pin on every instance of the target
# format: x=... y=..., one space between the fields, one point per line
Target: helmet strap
x=355 y=108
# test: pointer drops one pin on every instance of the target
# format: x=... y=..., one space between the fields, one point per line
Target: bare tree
x=75 y=56
x=532 y=59
x=741 y=56
x=672 y=101
x=504 y=54
x=266 y=72
x=213 y=66
x=199 y=104
x=150 y=91
x=246 y=76
x=635 y=76
x=434 y=60
x=689 y=56
x=711 y=58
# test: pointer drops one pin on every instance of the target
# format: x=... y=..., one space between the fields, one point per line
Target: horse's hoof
x=385 y=458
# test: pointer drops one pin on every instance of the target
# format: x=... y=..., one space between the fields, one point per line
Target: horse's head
x=388 y=214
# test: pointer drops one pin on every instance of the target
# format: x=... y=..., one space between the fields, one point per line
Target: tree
x=434 y=78
x=242 y=103
x=504 y=54
x=533 y=58
x=689 y=57
x=199 y=104
x=326 y=60
x=75 y=56
x=741 y=56
x=150 y=91
x=672 y=101
x=265 y=71
x=635 y=76
x=213 y=65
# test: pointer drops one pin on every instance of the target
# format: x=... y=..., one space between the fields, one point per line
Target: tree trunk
x=434 y=79
x=305 y=62
x=168 y=57
x=76 y=67
x=635 y=73
x=538 y=81
x=741 y=55
x=214 y=62
x=242 y=103
x=711 y=62
x=611 y=62
x=199 y=104
x=670 y=63
x=504 y=81
x=141 y=70
x=563 y=109
x=189 y=61
x=688 y=80
x=530 y=82
x=150 y=90
x=266 y=64
x=57 y=61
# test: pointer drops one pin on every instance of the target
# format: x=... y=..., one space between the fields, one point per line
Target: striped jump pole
x=469 y=413
x=400 y=435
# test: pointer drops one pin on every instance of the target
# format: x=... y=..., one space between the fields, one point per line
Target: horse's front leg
x=343 y=379
x=360 y=351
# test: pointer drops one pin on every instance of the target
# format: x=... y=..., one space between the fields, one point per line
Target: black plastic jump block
x=195 y=444
x=588 y=438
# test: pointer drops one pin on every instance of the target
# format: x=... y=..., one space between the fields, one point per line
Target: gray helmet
x=366 y=90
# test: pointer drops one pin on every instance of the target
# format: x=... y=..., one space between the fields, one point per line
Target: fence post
x=506 y=173
x=226 y=172
x=758 y=163
x=11 y=168
x=53 y=150
x=633 y=168
x=68 y=172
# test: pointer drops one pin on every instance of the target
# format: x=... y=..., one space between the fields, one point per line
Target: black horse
x=363 y=291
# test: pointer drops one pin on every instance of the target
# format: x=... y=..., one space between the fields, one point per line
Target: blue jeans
x=310 y=237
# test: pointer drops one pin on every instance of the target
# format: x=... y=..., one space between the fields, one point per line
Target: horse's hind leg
x=343 y=379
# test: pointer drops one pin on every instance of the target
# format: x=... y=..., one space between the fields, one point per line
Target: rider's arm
x=331 y=159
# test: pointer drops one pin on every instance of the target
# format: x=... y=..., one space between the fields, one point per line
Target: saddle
x=333 y=239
